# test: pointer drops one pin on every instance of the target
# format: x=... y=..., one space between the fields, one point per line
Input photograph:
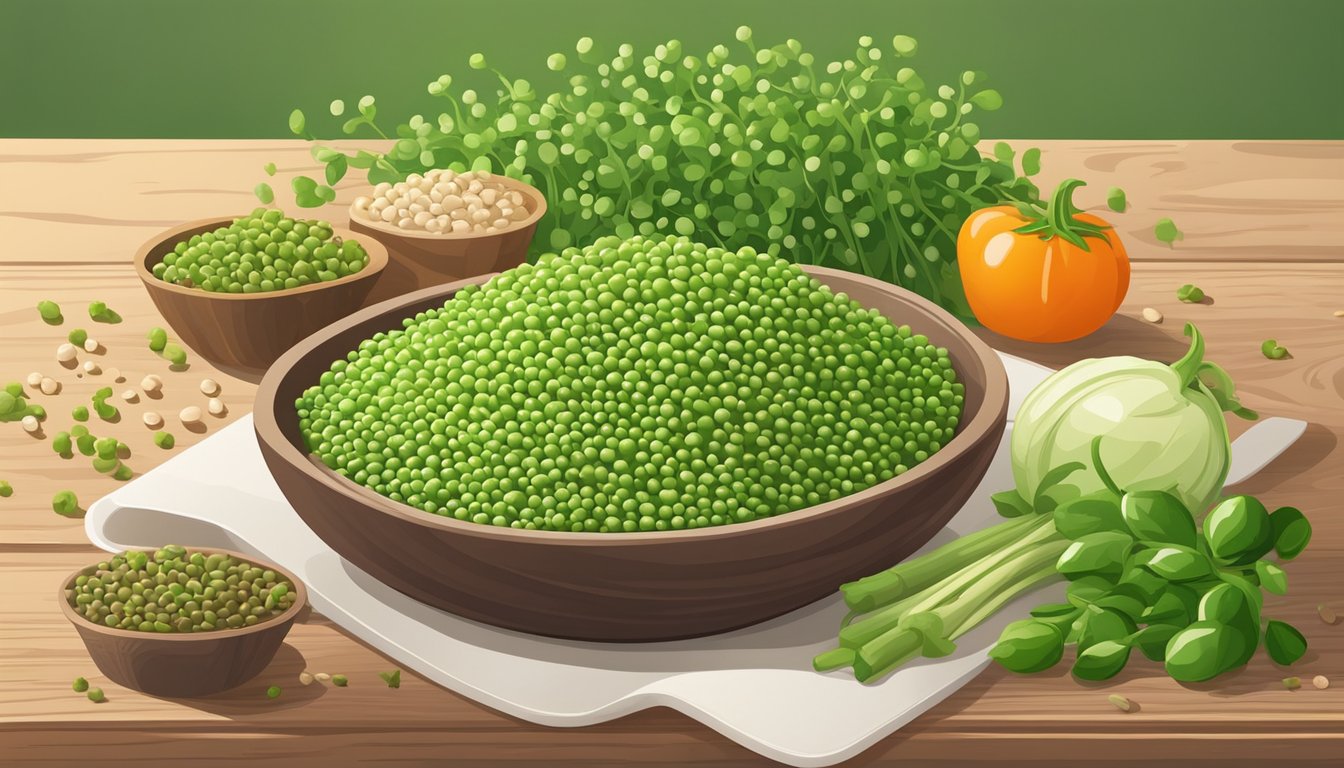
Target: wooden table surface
x=1262 y=223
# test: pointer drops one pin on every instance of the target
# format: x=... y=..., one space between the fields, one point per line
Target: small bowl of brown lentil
x=180 y=622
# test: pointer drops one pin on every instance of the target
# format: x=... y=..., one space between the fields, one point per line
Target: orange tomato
x=1048 y=276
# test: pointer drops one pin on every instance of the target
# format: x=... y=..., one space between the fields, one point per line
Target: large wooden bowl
x=633 y=586
x=243 y=333
x=418 y=259
x=184 y=664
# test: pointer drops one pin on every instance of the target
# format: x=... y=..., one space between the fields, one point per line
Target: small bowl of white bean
x=444 y=226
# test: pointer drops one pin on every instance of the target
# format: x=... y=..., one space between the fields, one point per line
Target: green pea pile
x=174 y=590
x=263 y=251
x=634 y=385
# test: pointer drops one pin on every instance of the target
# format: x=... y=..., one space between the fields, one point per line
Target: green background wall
x=1067 y=68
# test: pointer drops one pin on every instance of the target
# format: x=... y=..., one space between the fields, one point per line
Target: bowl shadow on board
x=1121 y=335
x=249 y=699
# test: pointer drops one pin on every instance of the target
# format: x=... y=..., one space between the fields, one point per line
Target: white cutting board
x=756 y=686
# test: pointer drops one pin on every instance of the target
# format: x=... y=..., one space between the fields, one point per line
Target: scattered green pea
x=106 y=466
x=1190 y=294
x=65 y=503
x=78 y=336
x=50 y=312
x=174 y=354
x=177 y=590
x=80 y=413
x=393 y=678
x=123 y=473
x=96 y=695
x=1115 y=200
x=99 y=312
x=1292 y=683
x=1165 y=231
x=62 y=445
x=80 y=685
x=86 y=444
x=719 y=393
x=106 y=447
x=340 y=681
x=158 y=339
x=273 y=692
x=1271 y=349
x=164 y=440
x=263 y=251
x=6 y=490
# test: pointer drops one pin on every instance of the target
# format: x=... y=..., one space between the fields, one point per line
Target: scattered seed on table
x=123 y=473
x=91 y=345
x=174 y=354
x=77 y=337
x=305 y=678
x=65 y=503
x=30 y=424
x=1292 y=683
x=62 y=445
x=393 y=678
x=215 y=407
x=1327 y=614
x=80 y=685
x=158 y=339
x=50 y=312
x=80 y=413
x=322 y=677
x=164 y=440
x=1121 y=703
x=49 y=386
x=130 y=396
x=6 y=490
x=340 y=681
x=151 y=384
x=273 y=692
x=35 y=380
x=1339 y=313
x=152 y=419
x=1321 y=682
x=190 y=415
x=209 y=387
x=1152 y=315
x=92 y=368
x=66 y=352
x=96 y=695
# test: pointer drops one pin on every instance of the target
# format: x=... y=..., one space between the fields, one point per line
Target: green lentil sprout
x=62 y=445
x=96 y=695
x=6 y=490
x=393 y=678
x=158 y=339
x=176 y=590
x=80 y=685
x=14 y=404
x=857 y=163
x=634 y=385
x=77 y=337
x=273 y=692
x=164 y=440
x=340 y=681
x=79 y=413
x=263 y=251
x=174 y=354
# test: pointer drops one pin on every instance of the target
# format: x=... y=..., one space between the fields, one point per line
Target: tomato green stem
x=1059 y=219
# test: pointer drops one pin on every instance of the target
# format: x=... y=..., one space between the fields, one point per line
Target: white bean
x=215 y=407
x=90 y=345
x=65 y=353
x=151 y=384
x=34 y=379
x=152 y=419
x=209 y=387
x=389 y=214
x=190 y=415
x=91 y=367
x=30 y=424
x=49 y=386
x=130 y=396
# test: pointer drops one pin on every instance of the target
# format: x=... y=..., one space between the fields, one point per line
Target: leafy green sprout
x=1272 y=350
x=100 y=313
x=857 y=163
x=1190 y=294
x=393 y=678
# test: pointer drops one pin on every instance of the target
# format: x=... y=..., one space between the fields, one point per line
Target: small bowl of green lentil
x=241 y=290
x=179 y=622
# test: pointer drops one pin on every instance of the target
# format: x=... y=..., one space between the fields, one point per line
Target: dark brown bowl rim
x=377 y=261
x=521 y=186
x=182 y=637
x=993 y=410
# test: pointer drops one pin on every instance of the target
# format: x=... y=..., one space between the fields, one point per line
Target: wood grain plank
x=1293 y=303
x=1234 y=200
x=996 y=714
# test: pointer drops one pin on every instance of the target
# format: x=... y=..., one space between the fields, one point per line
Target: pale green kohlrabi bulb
x=1161 y=427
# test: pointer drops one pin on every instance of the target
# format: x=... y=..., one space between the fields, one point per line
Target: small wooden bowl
x=243 y=333
x=423 y=259
x=641 y=586
x=176 y=664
